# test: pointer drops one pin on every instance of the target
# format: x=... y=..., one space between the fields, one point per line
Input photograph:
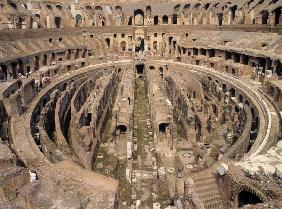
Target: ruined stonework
x=140 y=104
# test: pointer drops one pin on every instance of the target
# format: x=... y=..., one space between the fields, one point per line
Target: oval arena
x=140 y=104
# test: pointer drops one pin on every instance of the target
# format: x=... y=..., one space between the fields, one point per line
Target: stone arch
x=123 y=46
x=174 y=19
x=129 y=21
x=220 y=19
x=78 y=20
x=233 y=12
x=176 y=8
x=232 y=92
x=148 y=10
x=187 y=6
x=98 y=8
x=264 y=17
x=118 y=9
x=139 y=17
x=151 y=68
x=156 y=20
x=165 y=19
x=58 y=22
x=197 y=6
x=108 y=41
x=19 y=22
x=88 y=7
x=155 y=45
x=277 y=16
x=59 y=7
x=271 y=91
x=48 y=7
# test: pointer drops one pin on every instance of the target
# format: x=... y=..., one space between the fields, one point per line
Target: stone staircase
x=207 y=190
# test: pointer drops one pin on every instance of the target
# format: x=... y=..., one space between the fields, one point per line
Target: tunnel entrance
x=121 y=129
x=247 y=198
x=140 y=68
x=162 y=127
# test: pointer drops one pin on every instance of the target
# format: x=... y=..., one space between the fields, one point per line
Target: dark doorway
x=247 y=198
x=121 y=129
x=58 y=22
x=174 y=19
x=220 y=19
x=140 y=68
x=156 y=20
x=277 y=13
x=162 y=127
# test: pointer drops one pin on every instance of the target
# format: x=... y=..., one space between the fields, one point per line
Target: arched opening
x=49 y=7
x=78 y=20
x=36 y=63
x=88 y=119
x=59 y=7
x=161 y=72
x=224 y=88
x=271 y=91
x=118 y=9
x=187 y=6
x=121 y=129
x=130 y=21
x=277 y=16
x=163 y=127
x=98 y=8
x=19 y=23
x=21 y=67
x=165 y=19
x=123 y=46
x=88 y=7
x=69 y=55
x=108 y=42
x=139 y=17
x=53 y=57
x=170 y=40
x=148 y=10
x=232 y=92
x=233 y=12
x=4 y=72
x=247 y=198
x=176 y=8
x=264 y=17
x=197 y=6
x=140 y=68
x=220 y=19
x=174 y=19
x=84 y=53
x=155 y=45
x=156 y=20
x=241 y=99
x=58 y=22
x=45 y=58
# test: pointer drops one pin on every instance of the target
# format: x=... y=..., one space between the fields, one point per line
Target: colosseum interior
x=161 y=104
